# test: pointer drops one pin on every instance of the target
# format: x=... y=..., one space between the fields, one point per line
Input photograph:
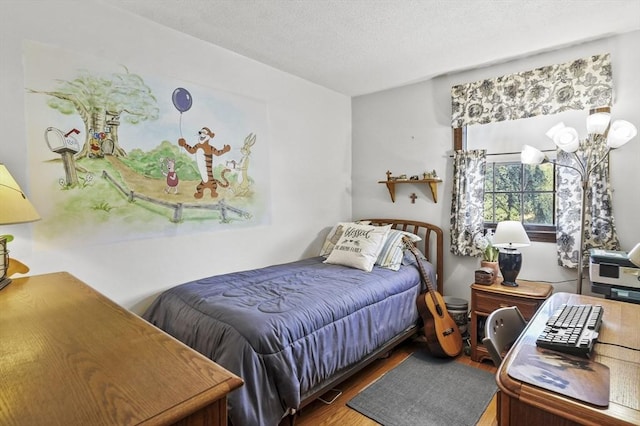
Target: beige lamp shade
x=510 y=234
x=14 y=205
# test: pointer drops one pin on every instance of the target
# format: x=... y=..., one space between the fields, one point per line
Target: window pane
x=538 y=209
x=488 y=178
x=515 y=191
x=488 y=207
x=538 y=177
x=507 y=206
x=508 y=177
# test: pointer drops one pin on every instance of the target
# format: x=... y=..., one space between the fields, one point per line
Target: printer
x=614 y=275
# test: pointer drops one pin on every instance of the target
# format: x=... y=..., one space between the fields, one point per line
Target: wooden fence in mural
x=177 y=208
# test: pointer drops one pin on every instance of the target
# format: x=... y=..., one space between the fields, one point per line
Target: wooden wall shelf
x=433 y=185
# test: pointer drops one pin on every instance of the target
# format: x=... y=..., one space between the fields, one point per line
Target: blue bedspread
x=285 y=329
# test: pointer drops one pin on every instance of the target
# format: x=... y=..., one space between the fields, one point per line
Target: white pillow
x=392 y=251
x=334 y=235
x=359 y=246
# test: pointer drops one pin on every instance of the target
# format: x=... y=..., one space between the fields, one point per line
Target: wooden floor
x=318 y=413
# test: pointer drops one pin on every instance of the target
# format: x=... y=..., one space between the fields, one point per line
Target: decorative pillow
x=392 y=252
x=334 y=235
x=359 y=246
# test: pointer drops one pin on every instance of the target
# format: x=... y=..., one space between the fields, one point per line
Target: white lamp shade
x=552 y=131
x=15 y=208
x=597 y=123
x=531 y=155
x=634 y=255
x=510 y=234
x=621 y=132
x=567 y=139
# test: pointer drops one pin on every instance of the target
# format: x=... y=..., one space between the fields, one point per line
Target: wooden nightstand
x=528 y=297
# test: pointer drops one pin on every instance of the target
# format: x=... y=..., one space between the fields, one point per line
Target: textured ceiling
x=357 y=47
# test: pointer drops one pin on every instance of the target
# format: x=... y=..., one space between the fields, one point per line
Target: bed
x=293 y=331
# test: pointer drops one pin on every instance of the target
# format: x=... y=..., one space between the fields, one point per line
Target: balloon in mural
x=182 y=99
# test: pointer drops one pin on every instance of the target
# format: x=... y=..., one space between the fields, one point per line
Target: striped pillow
x=393 y=249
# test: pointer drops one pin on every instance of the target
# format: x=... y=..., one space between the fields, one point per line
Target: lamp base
x=510 y=261
x=4 y=282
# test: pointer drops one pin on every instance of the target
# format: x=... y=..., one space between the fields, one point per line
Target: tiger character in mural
x=204 y=153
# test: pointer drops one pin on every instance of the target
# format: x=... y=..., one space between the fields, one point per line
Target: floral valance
x=581 y=84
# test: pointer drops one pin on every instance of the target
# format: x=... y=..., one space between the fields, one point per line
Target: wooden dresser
x=70 y=356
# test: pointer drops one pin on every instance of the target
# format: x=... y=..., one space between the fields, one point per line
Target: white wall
x=309 y=136
x=407 y=130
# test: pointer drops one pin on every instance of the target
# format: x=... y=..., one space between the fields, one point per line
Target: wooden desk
x=522 y=403
x=70 y=356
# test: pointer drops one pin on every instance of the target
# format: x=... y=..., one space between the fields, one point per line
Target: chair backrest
x=502 y=328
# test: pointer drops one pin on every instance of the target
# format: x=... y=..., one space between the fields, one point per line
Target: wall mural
x=117 y=154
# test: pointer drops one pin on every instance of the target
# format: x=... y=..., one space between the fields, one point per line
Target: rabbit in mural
x=204 y=158
x=243 y=166
x=169 y=170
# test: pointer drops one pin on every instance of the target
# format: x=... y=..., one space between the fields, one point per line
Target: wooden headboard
x=432 y=244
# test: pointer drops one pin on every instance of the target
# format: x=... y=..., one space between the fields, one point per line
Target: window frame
x=537 y=233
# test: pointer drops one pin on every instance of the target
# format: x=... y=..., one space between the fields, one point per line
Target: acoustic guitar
x=440 y=330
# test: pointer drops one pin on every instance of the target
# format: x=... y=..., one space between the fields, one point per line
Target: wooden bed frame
x=432 y=246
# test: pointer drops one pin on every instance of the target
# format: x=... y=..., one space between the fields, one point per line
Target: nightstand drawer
x=488 y=302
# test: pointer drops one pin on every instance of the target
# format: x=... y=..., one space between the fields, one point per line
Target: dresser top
x=527 y=289
x=71 y=356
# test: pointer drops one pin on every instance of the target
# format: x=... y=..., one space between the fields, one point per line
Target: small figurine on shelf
x=414 y=177
x=389 y=175
x=430 y=175
x=402 y=177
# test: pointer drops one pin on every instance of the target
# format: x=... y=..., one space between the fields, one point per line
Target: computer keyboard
x=572 y=329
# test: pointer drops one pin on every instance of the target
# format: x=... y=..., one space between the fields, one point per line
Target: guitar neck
x=423 y=273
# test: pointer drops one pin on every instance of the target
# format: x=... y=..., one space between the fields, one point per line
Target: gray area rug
x=423 y=390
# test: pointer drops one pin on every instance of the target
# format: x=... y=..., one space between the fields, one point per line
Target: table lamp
x=509 y=237
x=14 y=208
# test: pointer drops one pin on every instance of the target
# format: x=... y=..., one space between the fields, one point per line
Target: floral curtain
x=599 y=225
x=467 y=202
x=581 y=84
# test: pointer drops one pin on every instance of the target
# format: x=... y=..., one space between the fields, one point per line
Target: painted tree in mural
x=101 y=102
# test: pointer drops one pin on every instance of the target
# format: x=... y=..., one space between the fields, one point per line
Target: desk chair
x=502 y=328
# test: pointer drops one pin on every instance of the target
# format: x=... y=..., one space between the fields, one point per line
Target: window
x=515 y=191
